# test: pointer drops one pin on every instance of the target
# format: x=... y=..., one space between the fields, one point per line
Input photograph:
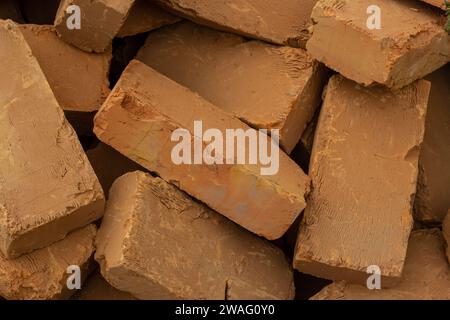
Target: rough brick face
x=266 y=86
x=47 y=186
x=426 y=275
x=281 y=23
x=411 y=43
x=364 y=171
x=138 y=119
x=157 y=243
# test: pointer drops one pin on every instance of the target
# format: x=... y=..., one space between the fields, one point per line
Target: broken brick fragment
x=42 y=274
x=411 y=43
x=100 y=22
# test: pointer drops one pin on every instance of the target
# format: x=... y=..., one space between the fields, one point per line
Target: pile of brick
x=92 y=93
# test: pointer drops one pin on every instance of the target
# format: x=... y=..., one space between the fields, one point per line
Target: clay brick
x=97 y=288
x=411 y=43
x=101 y=21
x=157 y=243
x=268 y=20
x=109 y=164
x=47 y=186
x=266 y=86
x=42 y=274
x=364 y=171
x=144 y=16
x=10 y=10
x=426 y=275
x=446 y=230
x=78 y=79
x=138 y=120
x=433 y=193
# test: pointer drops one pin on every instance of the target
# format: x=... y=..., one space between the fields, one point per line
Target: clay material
x=138 y=120
x=426 y=275
x=78 y=79
x=411 y=43
x=42 y=274
x=144 y=16
x=266 y=86
x=47 y=186
x=97 y=288
x=433 y=192
x=157 y=243
x=280 y=23
x=364 y=171
x=101 y=21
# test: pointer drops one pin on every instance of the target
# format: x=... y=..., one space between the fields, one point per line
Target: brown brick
x=426 y=275
x=364 y=171
x=157 y=243
x=101 y=21
x=266 y=86
x=138 y=120
x=268 y=20
x=433 y=192
x=47 y=186
x=411 y=43
x=144 y=16
x=78 y=79
x=42 y=274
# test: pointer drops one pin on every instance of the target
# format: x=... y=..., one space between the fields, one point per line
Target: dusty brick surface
x=364 y=171
x=426 y=275
x=157 y=243
x=101 y=21
x=411 y=43
x=42 y=274
x=78 y=79
x=138 y=120
x=266 y=86
x=47 y=186
x=268 y=20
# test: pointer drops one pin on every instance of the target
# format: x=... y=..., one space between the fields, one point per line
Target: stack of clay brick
x=87 y=116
